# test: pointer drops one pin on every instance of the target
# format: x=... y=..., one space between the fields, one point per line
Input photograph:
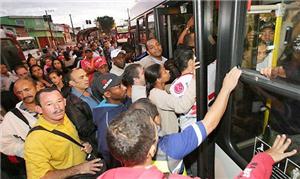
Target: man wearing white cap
x=119 y=61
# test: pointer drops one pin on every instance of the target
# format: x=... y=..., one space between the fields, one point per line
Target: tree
x=106 y=23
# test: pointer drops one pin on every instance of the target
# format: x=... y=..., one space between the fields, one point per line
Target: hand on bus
x=280 y=144
x=273 y=72
x=231 y=79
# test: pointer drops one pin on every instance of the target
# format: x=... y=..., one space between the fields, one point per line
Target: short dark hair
x=182 y=56
x=19 y=67
x=146 y=105
x=189 y=40
x=45 y=90
x=152 y=73
x=58 y=73
x=130 y=73
x=130 y=137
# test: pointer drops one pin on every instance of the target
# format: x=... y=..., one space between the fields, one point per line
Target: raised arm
x=215 y=113
x=189 y=24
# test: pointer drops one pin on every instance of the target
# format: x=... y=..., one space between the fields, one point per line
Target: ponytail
x=152 y=73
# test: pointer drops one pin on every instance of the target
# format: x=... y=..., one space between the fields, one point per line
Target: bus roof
x=143 y=6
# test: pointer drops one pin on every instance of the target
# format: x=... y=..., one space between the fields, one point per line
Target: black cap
x=265 y=25
x=106 y=81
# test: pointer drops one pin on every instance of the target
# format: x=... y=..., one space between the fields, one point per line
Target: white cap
x=116 y=52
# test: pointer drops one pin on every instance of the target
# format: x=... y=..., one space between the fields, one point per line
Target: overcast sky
x=81 y=10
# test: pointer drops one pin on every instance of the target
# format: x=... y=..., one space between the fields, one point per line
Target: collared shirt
x=90 y=100
x=116 y=70
x=45 y=151
x=150 y=60
x=23 y=107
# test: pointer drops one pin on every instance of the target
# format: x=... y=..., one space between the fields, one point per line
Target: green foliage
x=106 y=23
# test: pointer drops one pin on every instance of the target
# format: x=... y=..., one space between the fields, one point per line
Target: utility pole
x=74 y=37
x=52 y=39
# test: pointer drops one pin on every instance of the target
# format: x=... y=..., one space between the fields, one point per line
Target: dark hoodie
x=103 y=114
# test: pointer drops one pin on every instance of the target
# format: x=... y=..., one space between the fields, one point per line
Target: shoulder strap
x=56 y=132
x=18 y=113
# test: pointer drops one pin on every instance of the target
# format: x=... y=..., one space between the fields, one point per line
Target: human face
x=37 y=72
x=57 y=64
x=40 y=86
x=261 y=53
x=120 y=60
x=154 y=48
x=32 y=61
x=89 y=54
x=55 y=79
x=52 y=106
x=118 y=92
x=3 y=69
x=107 y=45
x=141 y=79
x=103 y=69
x=22 y=72
x=80 y=79
x=267 y=35
x=164 y=74
x=25 y=91
x=48 y=62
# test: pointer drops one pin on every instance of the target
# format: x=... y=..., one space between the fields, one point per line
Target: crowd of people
x=86 y=109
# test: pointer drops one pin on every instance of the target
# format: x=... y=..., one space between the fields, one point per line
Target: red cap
x=99 y=61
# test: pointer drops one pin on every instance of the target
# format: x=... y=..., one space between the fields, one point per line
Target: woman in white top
x=168 y=105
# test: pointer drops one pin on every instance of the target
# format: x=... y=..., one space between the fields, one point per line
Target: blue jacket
x=172 y=148
x=103 y=114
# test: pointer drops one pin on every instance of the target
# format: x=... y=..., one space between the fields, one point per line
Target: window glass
x=19 y=22
x=142 y=31
x=260 y=51
x=28 y=44
x=260 y=110
x=261 y=113
x=151 y=28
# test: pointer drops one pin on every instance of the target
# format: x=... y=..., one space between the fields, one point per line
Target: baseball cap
x=267 y=25
x=106 y=81
x=116 y=52
x=99 y=61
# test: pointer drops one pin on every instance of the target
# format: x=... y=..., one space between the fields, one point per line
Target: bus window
x=267 y=105
x=29 y=45
x=142 y=31
x=142 y=39
x=151 y=28
x=259 y=41
x=259 y=47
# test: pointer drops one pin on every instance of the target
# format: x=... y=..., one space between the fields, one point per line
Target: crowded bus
x=199 y=89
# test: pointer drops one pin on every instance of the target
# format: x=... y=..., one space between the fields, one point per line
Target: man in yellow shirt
x=51 y=156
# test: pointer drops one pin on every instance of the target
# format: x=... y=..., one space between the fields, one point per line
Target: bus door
x=206 y=25
x=261 y=107
x=170 y=20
